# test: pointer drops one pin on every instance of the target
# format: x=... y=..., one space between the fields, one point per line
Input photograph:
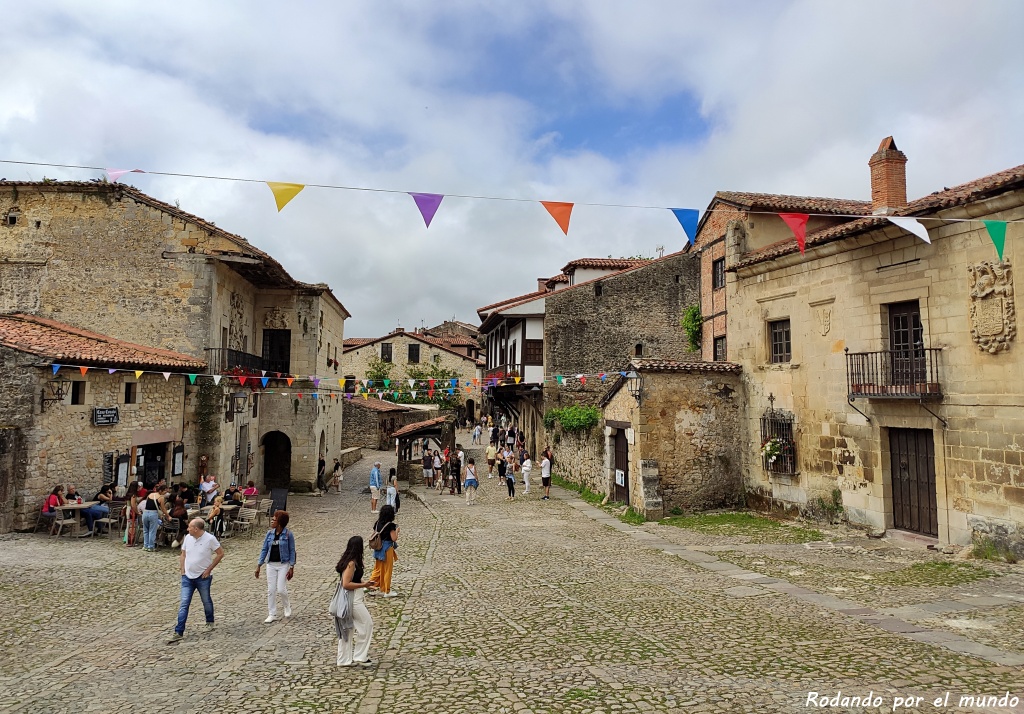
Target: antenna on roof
x=660 y=251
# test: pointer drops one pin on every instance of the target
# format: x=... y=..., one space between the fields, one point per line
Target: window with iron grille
x=414 y=354
x=778 y=449
x=779 y=336
x=720 y=353
x=385 y=351
x=718 y=274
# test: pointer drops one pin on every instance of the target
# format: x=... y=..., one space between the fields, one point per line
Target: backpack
x=376 y=542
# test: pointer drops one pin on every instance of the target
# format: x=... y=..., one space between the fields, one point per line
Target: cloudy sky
x=647 y=103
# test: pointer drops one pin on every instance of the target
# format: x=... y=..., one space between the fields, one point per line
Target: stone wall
x=61 y=445
x=589 y=333
x=12 y=465
x=579 y=457
x=710 y=246
x=837 y=298
x=356 y=362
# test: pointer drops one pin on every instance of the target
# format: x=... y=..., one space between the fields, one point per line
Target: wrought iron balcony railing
x=224 y=360
x=894 y=374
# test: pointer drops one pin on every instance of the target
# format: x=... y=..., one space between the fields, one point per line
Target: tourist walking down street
x=471 y=482
x=476 y=434
x=321 y=475
x=337 y=476
x=352 y=621
x=428 y=468
x=200 y=554
x=438 y=470
x=505 y=471
x=376 y=483
x=526 y=466
x=384 y=558
x=279 y=556
x=491 y=454
x=545 y=475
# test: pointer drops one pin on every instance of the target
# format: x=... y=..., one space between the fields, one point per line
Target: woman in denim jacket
x=279 y=555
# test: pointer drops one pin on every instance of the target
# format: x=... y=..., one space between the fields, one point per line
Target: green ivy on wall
x=573 y=418
x=693 y=323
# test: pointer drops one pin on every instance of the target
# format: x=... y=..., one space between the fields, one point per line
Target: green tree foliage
x=693 y=324
x=573 y=418
x=379 y=370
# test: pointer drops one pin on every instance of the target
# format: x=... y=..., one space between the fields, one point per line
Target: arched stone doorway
x=277 y=460
x=470 y=411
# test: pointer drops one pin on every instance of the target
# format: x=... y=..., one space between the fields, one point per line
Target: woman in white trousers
x=355 y=629
x=279 y=556
x=526 y=466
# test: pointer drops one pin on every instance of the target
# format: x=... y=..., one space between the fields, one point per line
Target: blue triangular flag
x=264 y=380
x=687 y=218
x=55 y=368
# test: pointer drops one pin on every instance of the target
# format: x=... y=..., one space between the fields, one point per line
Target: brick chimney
x=888 y=178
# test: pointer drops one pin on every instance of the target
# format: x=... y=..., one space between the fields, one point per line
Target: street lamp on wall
x=635 y=384
x=241 y=401
x=58 y=389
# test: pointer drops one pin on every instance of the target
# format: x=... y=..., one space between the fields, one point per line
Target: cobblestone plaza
x=529 y=606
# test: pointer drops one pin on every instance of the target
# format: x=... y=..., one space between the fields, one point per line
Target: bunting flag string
x=912 y=225
x=687 y=218
x=561 y=212
x=797 y=223
x=428 y=204
x=115 y=174
x=997 y=232
x=284 y=192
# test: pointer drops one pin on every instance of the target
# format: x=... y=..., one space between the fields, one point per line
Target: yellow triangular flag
x=341 y=383
x=284 y=192
x=518 y=379
x=138 y=373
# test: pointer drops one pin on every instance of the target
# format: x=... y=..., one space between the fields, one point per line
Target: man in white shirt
x=200 y=554
x=545 y=477
x=209 y=488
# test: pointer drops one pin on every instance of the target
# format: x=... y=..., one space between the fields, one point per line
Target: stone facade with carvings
x=887 y=368
x=173 y=280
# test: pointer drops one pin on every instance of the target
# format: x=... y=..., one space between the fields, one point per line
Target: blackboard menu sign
x=280 y=496
x=105 y=416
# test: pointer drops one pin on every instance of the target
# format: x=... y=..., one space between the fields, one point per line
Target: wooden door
x=912 y=468
x=621 y=492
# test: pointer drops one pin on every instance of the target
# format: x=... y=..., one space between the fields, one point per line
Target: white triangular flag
x=412 y=383
x=414 y=394
x=216 y=379
x=912 y=225
x=167 y=376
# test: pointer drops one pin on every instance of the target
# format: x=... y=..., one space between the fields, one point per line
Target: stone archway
x=277 y=460
x=470 y=411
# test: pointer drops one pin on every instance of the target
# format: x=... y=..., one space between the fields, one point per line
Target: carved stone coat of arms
x=992 y=312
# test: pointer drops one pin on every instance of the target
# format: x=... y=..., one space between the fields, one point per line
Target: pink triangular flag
x=912 y=225
x=115 y=174
x=797 y=223
x=428 y=204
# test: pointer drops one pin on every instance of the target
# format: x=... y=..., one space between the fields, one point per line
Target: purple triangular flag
x=427 y=203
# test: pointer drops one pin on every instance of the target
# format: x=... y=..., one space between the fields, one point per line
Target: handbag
x=336 y=603
x=376 y=542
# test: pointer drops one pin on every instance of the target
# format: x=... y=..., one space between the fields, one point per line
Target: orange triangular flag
x=560 y=212
x=284 y=192
x=290 y=380
x=83 y=370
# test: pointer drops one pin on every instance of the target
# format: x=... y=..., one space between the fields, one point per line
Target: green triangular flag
x=997 y=232
x=192 y=379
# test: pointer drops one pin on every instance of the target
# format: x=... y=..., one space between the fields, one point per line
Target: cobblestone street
x=529 y=606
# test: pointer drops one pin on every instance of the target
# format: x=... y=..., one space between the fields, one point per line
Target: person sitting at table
x=180 y=511
x=72 y=495
x=234 y=495
x=209 y=488
x=102 y=509
x=52 y=502
x=251 y=490
x=186 y=493
x=215 y=518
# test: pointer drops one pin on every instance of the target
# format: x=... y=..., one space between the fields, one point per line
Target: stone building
x=371 y=422
x=726 y=219
x=883 y=368
x=412 y=354
x=174 y=281
x=85 y=409
x=673 y=432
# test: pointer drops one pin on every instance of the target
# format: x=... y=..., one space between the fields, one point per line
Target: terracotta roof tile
x=608 y=263
x=560 y=278
x=958 y=195
x=377 y=405
x=516 y=300
x=666 y=365
x=63 y=343
x=413 y=428
x=355 y=343
x=803 y=204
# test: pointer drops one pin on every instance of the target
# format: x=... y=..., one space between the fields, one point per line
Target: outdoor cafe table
x=76 y=508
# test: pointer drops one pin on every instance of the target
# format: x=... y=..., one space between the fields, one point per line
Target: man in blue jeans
x=200 y=554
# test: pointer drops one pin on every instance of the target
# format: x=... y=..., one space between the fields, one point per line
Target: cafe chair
x=61 y=520
x=244 y=522
x=112 y=521
x=168 y=530
x=263 y=510
x=46 y=519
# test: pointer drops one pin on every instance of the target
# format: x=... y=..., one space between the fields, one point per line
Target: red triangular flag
x=560 y=212
x=241 y=380
x=797 y=223
x=83 y=370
